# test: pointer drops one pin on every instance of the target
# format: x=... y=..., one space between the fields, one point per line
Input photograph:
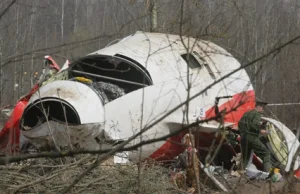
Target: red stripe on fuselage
x=242 y=102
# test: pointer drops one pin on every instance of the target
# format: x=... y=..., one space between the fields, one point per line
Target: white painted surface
x=84 y=100
x=291 y=141
x=160 y=55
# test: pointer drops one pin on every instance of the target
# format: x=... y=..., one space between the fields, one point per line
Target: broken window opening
x=205 y=64
x=191 y=61
x=137 y=64
x=112 y=76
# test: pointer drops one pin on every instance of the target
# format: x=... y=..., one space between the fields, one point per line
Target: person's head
x=260 y=105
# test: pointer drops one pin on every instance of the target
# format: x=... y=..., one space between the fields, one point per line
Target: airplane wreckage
x=111 y=94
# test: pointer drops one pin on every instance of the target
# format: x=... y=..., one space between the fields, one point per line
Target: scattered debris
x=235 y=173
x=276 y=176
x=253 y=173
x=57 y=136
x=108 y=91
x=52 y=175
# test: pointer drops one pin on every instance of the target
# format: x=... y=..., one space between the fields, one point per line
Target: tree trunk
x=153 y=11
x=32 y=30
x=62 y=20
x=15 y=85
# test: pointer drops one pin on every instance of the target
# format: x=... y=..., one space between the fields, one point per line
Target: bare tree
x=69 y=29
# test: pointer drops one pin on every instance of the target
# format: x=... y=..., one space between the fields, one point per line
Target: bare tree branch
x=7 y=8
x=9 y=159
x=6 y=160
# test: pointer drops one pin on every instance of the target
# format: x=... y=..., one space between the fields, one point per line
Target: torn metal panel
x=213 y=126
x=78 y=97
x=289 y=139
x=211 y=177
x=54 y=135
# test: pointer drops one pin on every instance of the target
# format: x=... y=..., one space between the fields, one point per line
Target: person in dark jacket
x=251 y=128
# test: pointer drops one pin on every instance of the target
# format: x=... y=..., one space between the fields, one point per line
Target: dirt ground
x=260 y=187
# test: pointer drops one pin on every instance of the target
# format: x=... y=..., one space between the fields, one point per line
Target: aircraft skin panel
x=78 y=95
x=291 y=141
x=10 y=135
x=158 y=100
x=165 y=64
x=176 y=149
x=162 y=54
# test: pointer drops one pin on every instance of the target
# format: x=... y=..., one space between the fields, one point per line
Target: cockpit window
x=197 y=61
x=191 y=61
x=114 y=71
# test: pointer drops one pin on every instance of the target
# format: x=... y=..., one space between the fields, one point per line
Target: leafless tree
x=68 y=29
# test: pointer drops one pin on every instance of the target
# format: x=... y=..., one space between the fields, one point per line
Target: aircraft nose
x=63 y=111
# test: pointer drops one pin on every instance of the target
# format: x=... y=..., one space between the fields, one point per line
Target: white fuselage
x=161 y=61
x=160 y=55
